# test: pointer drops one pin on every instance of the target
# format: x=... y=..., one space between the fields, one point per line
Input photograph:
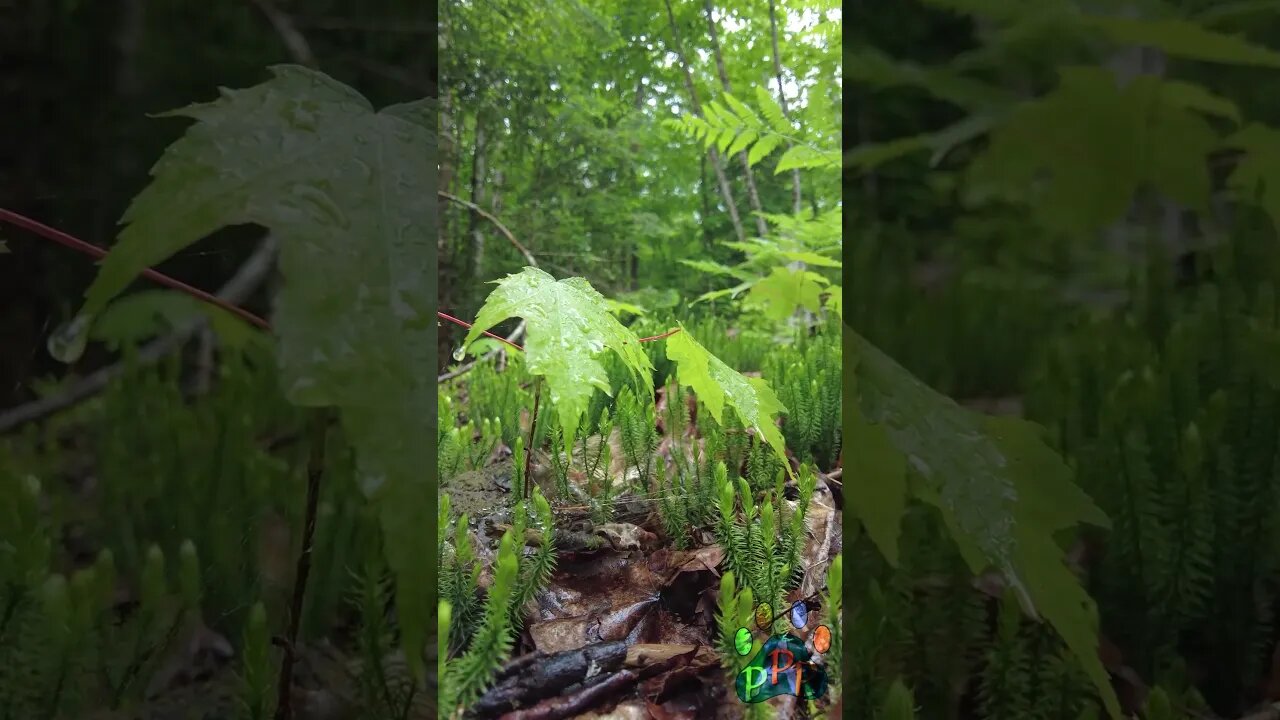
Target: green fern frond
x=467 y=676
x=535 y=570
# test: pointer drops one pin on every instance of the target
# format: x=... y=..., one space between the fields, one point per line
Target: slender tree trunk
x=448 y=162
x=752 y=196
x=1166 y=217
x=870 y=184
x=782 y=99
x=706 y=201
x=633 y=257
x=495 y=195
x=697 y=111
x=476 y=256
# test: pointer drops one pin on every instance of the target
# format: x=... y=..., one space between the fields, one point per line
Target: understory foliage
x=105 y=630
x=1171 y=407
x=720 y=472
x=1137 y=331
x=352 y=320
x=1165 y=411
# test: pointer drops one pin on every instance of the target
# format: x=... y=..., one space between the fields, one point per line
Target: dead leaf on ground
x=626 y=536
x=642 y=654
x=685 y=561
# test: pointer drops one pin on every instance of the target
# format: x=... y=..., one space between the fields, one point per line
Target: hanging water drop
x=67 y=343
x=460 y=353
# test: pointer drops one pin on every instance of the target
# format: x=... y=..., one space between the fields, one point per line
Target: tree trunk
x=1127 y=64
x=697 y=111
x=706 y=201
x=448 y=163
x=752 y=196
x=633 y=257
x=782 y=100
x=476 y=256
x=495 y=193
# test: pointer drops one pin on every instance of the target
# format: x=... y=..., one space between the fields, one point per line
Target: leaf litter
x=626 y=627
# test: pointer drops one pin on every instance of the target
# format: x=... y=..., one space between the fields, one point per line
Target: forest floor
x=627 y=626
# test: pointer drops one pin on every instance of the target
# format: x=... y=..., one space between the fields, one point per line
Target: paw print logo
x=785 y=664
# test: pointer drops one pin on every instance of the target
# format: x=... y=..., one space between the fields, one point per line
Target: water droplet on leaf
x=460 y=353
x=67 y=343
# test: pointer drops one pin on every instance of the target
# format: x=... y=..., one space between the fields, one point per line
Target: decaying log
x=537 y=676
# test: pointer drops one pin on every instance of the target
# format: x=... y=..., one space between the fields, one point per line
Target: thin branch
x=297 y=45
x=464 y=369
x=489 y=216
x=230 y=306
x=528 y=256
x=467 y=325
x=1270 y=712
x=668 y=333
x=240 y=286
x=392 y=73
x=362 y=26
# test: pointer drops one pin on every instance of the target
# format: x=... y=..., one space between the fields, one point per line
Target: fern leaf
x=772 y=112
x=762 y=148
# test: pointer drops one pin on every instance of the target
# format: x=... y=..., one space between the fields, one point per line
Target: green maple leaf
x=717 y=384
x=569 y=326
x=1258 y=174
x=836 y=300
x=349 y=193
x=783 y=290
x=1183 y=38
x=1098 y=143
x=1002 y=492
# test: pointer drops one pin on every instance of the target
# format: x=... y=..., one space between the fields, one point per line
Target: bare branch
x=528 y=256
x=239 y=287
x=297 y=45
x=489 y=216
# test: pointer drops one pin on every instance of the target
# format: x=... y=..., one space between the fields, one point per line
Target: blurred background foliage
x=79 y=81
x=1068 y=210
x=552 y=120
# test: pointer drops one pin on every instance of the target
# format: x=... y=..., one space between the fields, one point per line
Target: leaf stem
x=75 y=243
x=668 y=333
x=533 y=426
x=315 y=470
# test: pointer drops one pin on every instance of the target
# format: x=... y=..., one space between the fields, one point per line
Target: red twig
x=74 y=243
x=96 y=252
x=467 y=325
x=668 y=333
